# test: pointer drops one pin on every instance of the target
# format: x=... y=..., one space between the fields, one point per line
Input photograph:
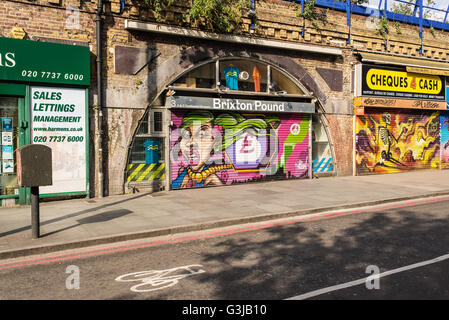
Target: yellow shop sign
x=401 y=81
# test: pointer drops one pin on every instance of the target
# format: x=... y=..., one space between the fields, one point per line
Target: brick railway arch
x=176 y=67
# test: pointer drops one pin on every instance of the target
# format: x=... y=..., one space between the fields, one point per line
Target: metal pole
x=253 y=14
x=445 y=16
x=421 y=25
x=386 y=17
x=35 y=212
x=98 y=21
x=348 y=20
x=303 y=21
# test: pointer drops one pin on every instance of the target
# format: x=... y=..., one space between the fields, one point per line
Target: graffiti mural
x=395 y=141
x=444 y=120
x=221 y=148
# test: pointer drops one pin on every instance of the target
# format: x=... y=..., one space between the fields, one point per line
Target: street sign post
x=34 y=169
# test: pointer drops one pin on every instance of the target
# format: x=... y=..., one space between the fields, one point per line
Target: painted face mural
x=395 y=141
x=216 y=148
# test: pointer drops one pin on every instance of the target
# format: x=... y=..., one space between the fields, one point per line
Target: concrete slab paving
x=82 y=222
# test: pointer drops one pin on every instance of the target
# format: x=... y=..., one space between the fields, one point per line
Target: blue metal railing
x=418 y=8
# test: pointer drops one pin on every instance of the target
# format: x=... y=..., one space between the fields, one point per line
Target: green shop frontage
x=44 y=100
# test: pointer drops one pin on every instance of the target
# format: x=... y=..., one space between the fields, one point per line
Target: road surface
x=321 y=256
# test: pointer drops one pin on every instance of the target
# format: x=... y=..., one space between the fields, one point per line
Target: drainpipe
x=98 y=21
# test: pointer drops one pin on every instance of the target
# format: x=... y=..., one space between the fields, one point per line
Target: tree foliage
x=313 y=15
x=216 y=15
x=407 y=9
x=359 y=1
x=158 y=6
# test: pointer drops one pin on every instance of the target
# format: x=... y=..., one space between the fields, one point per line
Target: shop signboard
x=239 y=105
x=390 y=82
x=379 y=102
x=58 y=120
x=33 y=61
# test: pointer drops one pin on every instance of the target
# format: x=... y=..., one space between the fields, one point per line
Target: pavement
x=76 y=223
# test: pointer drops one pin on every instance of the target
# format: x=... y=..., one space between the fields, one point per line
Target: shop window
x=146 y=162
x=143 y=127
x=138 y=151
x=281 y=84
x=239 y=75
x=147 y=150
x=202 y=77
x=151 y=123
x=243 y=75
x=322 y=159
x=9 y=133
x=157 y=121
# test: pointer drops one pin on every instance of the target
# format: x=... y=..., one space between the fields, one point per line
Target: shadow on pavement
x=72 y=215
x=101 y=217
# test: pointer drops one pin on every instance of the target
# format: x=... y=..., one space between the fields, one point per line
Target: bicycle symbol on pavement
x=153 y=280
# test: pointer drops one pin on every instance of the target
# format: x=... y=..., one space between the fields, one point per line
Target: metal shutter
x=391 y=140
x=269 y=146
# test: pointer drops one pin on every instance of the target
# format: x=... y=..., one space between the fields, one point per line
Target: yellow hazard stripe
x=154 y=175
x=135 y=172
x=144 y=174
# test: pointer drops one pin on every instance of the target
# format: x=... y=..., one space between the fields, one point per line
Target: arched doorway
x=226 y=121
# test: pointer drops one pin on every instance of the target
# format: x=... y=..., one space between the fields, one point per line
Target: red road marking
x=206 y=235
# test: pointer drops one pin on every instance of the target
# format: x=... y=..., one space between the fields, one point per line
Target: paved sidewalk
x=82 y=222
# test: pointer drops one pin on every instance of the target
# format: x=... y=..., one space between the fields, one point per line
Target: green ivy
x=158 y=6
x=313 y=15
x=397 y=26
x=382 y=27
x=216 y=15
x=219 y=15
x=359 y=1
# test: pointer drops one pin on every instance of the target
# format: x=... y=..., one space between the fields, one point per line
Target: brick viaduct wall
x=128 y=95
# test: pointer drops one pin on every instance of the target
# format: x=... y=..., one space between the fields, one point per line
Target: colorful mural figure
x=210 y=149
x=396 y=141
x=386 y=140
x=444 y=120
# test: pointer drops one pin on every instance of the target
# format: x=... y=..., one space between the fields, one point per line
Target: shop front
x=219 y=141
x=398 y=117
x=229 y=121
x=44 y=100
x=444 y=133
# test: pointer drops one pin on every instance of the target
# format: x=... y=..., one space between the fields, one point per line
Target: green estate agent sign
x=32 y=61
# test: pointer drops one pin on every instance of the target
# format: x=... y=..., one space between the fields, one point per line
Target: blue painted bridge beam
x=357 y=9
x=349 y=8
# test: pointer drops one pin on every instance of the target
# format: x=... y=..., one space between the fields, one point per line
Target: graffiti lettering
x=379 y=101
x=425 y=104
